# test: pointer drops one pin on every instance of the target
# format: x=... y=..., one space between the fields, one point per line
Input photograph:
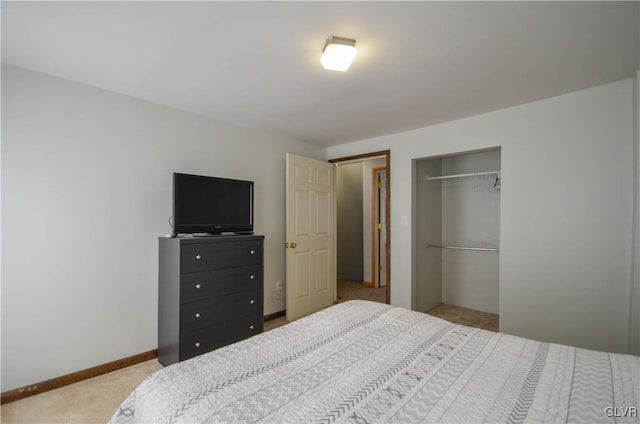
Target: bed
x=364 y=362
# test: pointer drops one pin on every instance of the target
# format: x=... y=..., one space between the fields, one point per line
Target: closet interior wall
x=461 y=212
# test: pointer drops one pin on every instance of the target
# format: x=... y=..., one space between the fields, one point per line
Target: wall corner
x=634 y=293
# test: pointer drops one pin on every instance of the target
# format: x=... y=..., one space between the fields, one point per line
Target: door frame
x=375 y=213
x=387 y=155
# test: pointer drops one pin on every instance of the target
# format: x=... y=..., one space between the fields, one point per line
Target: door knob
x=292 y=245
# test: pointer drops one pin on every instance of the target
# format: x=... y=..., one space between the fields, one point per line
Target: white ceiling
x=256 y=64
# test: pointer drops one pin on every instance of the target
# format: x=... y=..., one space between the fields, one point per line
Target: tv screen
x=211 y=205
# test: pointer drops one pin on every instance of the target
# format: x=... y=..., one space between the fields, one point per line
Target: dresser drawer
x=210 y=293
x=197 y=342
x=224 y=309
x=204 y=285
x=198 y=257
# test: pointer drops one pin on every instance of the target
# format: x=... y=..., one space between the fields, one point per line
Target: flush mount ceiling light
x=338 y=53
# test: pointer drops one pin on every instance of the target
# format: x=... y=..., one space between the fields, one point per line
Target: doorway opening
x=363 y=227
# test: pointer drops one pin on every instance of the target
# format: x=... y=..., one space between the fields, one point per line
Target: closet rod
x=473 y=174
x=483 y=249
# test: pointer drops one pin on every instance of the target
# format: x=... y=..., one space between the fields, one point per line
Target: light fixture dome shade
x=338 y=53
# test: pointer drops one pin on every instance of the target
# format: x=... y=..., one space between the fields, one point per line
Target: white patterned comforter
x=362 y=362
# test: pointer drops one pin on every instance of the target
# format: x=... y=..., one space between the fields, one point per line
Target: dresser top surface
x=210 y=239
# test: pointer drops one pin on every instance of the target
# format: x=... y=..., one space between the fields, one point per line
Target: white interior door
x=310 y=229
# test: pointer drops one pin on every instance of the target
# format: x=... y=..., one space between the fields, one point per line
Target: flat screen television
x=211 y=205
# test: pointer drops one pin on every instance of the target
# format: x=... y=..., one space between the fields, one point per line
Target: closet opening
x=456 y=264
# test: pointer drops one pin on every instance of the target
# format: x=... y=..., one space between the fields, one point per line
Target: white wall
x=566 y=210
x=86 y=191
x=427 y=226
x=634 y=297
x=349 y=221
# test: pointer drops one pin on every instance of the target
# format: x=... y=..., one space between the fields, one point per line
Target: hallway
x=348 y=290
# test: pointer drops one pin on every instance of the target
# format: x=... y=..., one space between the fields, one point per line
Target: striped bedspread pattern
x=363 y=363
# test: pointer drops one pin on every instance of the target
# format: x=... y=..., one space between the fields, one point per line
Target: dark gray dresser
x=210 y=294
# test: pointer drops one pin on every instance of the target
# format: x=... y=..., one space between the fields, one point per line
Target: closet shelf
x=483 y=249
x=473 y=174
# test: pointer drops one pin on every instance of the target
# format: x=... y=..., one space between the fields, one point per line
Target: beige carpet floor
x=89 y=401
x=467 y=317
x=348 y=290
x=96 y=399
